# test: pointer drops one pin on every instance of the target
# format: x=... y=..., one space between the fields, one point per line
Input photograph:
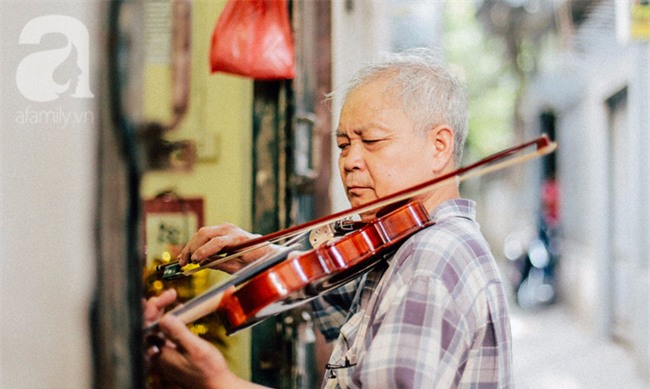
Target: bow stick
x=489 y=164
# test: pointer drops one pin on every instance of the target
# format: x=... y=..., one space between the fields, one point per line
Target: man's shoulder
x=453 y=246
x=447 y=234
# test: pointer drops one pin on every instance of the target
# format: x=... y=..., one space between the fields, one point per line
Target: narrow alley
x=553 y=351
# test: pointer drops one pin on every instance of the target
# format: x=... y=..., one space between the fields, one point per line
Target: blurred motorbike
x=532 y=267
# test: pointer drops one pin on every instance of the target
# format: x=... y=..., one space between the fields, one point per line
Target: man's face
x=381 y=151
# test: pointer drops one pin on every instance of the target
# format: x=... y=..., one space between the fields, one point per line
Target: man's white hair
x=431 y=95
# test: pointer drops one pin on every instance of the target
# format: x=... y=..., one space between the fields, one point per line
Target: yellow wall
x=220 y=116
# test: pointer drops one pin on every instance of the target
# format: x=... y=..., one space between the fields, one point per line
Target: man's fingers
x=211 y=247
x=163 y=300
x=200 y=238
x=188 y=360
x=211 y=240
x=179 y=334
x=172 y=360
x=154 y=307
x=167 y=297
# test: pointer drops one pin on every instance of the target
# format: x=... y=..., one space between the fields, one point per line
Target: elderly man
x=432 y=315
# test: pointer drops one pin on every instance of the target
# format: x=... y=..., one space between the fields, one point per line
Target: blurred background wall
x=48 y=148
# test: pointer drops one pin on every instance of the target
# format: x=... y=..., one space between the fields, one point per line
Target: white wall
x=357 y=36
x=363 y=30
x=47 y=184
x=640 y=119
x=604 y=178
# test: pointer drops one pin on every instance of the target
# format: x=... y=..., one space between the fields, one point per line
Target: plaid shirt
x=433 y=316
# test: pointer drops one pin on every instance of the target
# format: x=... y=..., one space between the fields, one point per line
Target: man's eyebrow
x=366 y=129
x=356 y=131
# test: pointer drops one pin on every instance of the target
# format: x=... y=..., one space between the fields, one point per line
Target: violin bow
x=497 y=161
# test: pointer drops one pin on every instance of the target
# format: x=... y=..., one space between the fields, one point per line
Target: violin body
x=302 y=278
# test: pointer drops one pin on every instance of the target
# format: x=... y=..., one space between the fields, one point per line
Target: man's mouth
x=357 y=190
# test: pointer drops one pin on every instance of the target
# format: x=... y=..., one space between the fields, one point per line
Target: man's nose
x=354 y=159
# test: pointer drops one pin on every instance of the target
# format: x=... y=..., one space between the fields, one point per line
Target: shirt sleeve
x=331 y=309
x=421 y=341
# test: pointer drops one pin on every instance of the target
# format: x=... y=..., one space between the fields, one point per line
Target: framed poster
x=169 y=223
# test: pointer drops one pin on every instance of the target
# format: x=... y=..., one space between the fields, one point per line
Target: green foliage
x=492 y=85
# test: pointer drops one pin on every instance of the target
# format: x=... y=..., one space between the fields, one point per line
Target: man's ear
x=441 y=138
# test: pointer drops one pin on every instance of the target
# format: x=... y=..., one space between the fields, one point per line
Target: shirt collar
x=454 y=208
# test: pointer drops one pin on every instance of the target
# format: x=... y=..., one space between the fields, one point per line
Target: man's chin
x=357 y=201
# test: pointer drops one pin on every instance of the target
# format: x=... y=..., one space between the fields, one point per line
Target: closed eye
x=342 y=145
x=372 y=143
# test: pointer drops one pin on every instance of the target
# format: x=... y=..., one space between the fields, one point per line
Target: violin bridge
x=345 y=226
x=319 y=236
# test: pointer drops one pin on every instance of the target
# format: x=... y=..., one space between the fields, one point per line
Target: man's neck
x=440 y=195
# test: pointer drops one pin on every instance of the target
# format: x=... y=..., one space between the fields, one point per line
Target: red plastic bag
x=253 y=38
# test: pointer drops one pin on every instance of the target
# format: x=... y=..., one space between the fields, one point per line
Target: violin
x=300 y=279
x=279 y=282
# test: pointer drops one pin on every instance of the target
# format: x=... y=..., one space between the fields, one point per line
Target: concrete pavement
x=551 y=351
